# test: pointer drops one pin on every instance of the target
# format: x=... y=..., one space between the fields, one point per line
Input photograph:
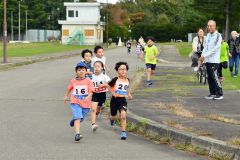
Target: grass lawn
x=31 y=49
x=184 y=48
x=228 y=84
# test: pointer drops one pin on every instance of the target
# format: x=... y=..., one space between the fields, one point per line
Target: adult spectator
x=197 y=47
x=234 y=52
x=211 y=56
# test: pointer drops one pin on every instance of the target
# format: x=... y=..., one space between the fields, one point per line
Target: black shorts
x=117 y=104
x=152 y=66
x=99 y=97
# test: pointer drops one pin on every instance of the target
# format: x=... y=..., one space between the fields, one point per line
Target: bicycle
x=202 y=74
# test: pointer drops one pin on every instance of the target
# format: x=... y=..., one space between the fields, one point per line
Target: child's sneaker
x=78 y=137
x=94 y=127
x=123 y=135
x=112 y=122
x=149 y=83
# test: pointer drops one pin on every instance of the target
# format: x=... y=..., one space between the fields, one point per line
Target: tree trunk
x=228 y=12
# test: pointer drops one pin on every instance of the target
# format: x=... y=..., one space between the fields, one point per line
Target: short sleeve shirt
x=150 y=54
x=100 y=79
x=80 y=90
x=119 y=86
x=95 y=59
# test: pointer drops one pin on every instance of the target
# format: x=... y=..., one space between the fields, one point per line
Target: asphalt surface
x=34 y=122
x=193 y=102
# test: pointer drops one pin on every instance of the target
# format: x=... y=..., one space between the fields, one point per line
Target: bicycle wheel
x=200 y=76
x=205 y=78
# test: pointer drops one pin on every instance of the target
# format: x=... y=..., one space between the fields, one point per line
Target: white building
x=83 y=25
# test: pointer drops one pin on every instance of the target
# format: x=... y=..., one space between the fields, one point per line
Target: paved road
x=34 y=122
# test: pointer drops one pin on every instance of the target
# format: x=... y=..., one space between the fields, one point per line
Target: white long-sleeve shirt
x=212 y=47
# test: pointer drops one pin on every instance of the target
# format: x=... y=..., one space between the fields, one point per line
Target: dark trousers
x=221 y=66
x=215 y=86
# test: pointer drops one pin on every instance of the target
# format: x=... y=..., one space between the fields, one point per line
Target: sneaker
x=149 y=83
x=234 y=76
x=78 y=137
x=210 y=96
x=94 y=127
x=123 y=136
x=112 y=122
x=218 y=98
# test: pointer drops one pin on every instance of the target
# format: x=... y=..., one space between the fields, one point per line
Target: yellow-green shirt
x=151 y=54
x=224 y=52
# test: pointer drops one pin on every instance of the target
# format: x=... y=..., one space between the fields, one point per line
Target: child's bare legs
x=149 y=72
x=123 y=120
x=152 y=72
x=99 y=109
x=93 y=112
x=77 y=126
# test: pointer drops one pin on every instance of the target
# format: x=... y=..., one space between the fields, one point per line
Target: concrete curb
x=211 y=146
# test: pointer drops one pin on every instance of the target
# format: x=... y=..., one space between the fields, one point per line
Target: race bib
x=80 y=91
x=98 y=89
x=121 y=88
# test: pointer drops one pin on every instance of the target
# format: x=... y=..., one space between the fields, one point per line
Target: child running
x=99 y=52
x=119 y=88
x=100 y=82
x=150 y=53
x=81 y=89
x=87 y=56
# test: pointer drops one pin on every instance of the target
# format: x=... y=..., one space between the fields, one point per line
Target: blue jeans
x=234 y=62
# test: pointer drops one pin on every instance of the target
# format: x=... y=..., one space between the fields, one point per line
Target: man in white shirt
x=211 y=56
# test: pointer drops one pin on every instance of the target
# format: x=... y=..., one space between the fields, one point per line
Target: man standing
x=211 y=56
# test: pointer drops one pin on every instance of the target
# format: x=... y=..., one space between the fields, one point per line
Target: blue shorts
x=79 y=112
x=152 y=66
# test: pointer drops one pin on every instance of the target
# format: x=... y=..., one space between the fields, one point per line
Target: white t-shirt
x=100 y=79
x=95 y=59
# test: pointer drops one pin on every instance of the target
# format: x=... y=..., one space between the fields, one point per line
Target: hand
x=129 y=97
x=88 y=98
x=65 y=99
x=230 y=55
x=201 y=59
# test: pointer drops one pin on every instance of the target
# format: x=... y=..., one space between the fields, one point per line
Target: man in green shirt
x=224 y=53
x=150 y=53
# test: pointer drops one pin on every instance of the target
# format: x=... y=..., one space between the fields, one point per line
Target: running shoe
x=218 y=98
x=94 y=127
x=78 y=137
x=210 y=96
x=149 y=83
x=123 y=135
x=112 y=122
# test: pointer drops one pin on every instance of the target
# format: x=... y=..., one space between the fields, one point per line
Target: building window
x=65 y=32
x=76 y=14
x=70 y=13
x=89 y=33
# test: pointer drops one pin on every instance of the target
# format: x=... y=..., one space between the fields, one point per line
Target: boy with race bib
x=81 y=89
x=119 y=88
x=100 y=82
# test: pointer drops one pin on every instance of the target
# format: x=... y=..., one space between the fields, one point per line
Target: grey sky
x=109 y=1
